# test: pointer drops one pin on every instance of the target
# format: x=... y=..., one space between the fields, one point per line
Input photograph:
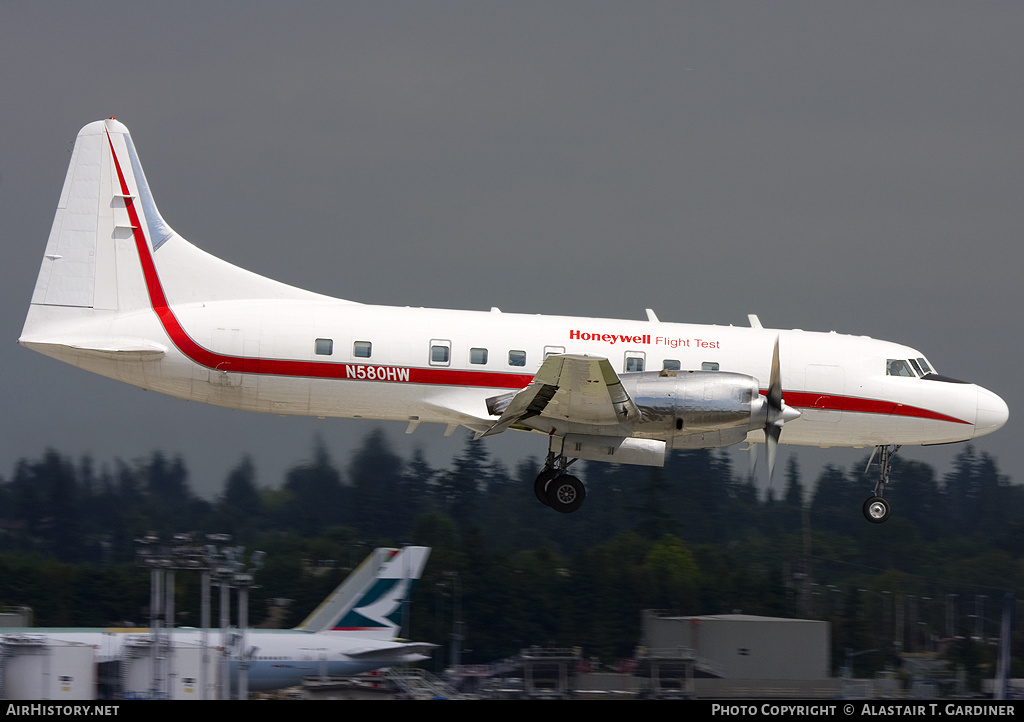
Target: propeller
x=777 y=412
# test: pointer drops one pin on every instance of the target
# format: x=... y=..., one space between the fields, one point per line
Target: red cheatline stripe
x=828 y=402
x=446 y=377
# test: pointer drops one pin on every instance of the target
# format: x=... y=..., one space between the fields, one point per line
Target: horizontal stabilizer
x=400 y=652
x=135 y=349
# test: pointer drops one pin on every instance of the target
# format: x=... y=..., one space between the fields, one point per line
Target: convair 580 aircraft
x=121 y=294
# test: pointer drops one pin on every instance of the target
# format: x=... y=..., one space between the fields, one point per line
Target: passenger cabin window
x=440 y=352
x=362 y=349
x=671 y=364
x=324 y=346
x=898 y=367
x=551 y=350
x=478 y=355
x=634 y=361
x=709 y=366
x=516 y=358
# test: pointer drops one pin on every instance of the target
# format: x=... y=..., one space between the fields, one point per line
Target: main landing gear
x=876 y=509
x=555 y=488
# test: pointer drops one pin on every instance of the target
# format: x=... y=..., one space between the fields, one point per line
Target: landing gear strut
x=876 y=509
x=555 y=488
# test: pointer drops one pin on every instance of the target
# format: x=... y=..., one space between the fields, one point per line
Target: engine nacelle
x=682 y=403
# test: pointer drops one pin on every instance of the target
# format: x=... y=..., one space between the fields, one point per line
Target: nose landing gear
x=876 y=509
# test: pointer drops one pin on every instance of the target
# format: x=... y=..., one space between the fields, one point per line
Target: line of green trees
x=694 y=537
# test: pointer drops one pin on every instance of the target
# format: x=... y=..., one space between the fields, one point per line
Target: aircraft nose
x=992 y=413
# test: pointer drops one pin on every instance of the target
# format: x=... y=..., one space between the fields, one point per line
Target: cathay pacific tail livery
x=121 y=294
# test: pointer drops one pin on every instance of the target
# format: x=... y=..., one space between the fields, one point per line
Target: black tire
x=540 y=487
x=876 y=510
x=566 y=494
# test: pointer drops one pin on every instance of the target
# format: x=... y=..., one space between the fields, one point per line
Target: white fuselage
x=262 y=356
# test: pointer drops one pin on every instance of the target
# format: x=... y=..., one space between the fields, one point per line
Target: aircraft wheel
x=566 y=494
x=876 y=510
x=540 y=487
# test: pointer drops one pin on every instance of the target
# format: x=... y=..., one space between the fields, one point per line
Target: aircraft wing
x=567 y=387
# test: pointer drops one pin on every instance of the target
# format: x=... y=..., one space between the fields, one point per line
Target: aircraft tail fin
x=110 y=251
x=104 y=202
x=370 y=602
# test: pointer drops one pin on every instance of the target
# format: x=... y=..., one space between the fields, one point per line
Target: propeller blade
x=777 y=413
x=775 y=382
x=752 y=451
x=771 y=443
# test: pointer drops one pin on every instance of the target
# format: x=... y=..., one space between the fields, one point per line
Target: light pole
x=162 y=559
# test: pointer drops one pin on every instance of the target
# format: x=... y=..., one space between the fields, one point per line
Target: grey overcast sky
x=854 y=167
